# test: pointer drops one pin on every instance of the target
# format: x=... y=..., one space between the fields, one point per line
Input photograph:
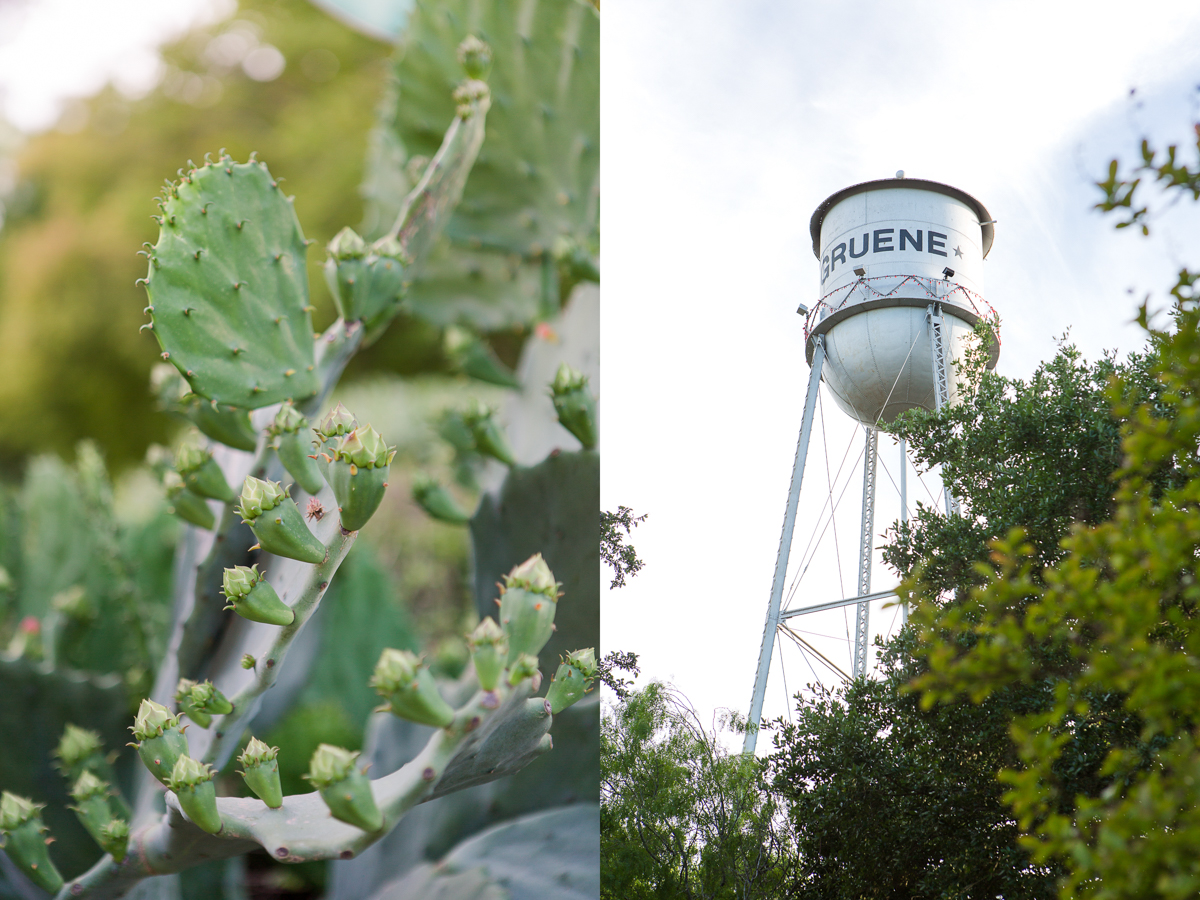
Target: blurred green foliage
x=69 y=309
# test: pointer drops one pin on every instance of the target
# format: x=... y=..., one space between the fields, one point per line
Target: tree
x=1113 y=626
x=621 y=557
x=680 y=816
x=890 y=797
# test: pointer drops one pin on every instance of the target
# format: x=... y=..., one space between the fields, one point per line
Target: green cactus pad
x=358 y=475
x=25 y=841
x=575 y=405
x=192 y=783
x=228 y=287
x=345 y=790
x=537 y=176
x=410 y=689
x=473 y=357
x=252 y=597
x=489 y=650
x=572 y=680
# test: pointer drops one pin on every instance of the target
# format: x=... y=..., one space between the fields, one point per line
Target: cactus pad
x=228 y=287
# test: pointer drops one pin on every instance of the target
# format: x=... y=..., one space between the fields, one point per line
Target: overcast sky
x=723 y=130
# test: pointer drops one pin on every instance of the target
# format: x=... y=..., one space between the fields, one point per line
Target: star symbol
x=958 y=251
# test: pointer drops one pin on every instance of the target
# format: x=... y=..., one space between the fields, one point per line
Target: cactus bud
x=76 y=749
x=248 y=661
x=467 y=94
x=471 y=355
x=201 y=474
x=572 y=680
x=345 y=790
x=437 y=501
x=527 y=607
x=489 y=650
x=92 y=808
x=410 y=689
x=391 y=248
x=524 y=666
x=192 y=783
x=346 y=244
x=288 y=433
x=201 y=701
x=574 y=404
x=260 y=769
x=21 y=823
x=183 y=503
x=475 y=56
x=339 y=421
x=252 y=597
x=114 y=838
x=160 y=740
x=485 y=432
x=277 y=522
x=358 y=475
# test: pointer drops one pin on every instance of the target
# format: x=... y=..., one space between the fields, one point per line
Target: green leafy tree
x=1112 y=627
x=680 y=816
x=890 y=798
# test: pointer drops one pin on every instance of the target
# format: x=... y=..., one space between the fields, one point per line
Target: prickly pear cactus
x=228 y=288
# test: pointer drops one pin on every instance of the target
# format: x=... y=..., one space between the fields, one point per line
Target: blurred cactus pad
x=84 y=196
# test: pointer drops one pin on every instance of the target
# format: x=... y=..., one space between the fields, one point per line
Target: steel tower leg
x=940 y=340
x=904 y=507
x=785 y=547
x=861 y=631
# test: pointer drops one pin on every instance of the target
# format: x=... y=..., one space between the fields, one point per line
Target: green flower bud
x=251 y=597
x=201 y=701
x=365 y=448
x=88 y=786
x=475 y=56
x=25 y=842
x=467 y=94
x=437 y=501
x=201 y=474
x=533 y=575
x=574 y=404
x=258 y=497
x=410 y=689
x=485 y=432
x=76 y=747
x=15 y=811
x=152 y=721
x=114 y=838
x=248 y=661
x=345 y=790
x=387 y=246
x=160 y=739
x=261 y=772
x=339 y=421
x=280 y=529
x=288 y=420
x=489 y=650
x=192 y=783
x=346 y=244
x=524 y=666
x=572 y=680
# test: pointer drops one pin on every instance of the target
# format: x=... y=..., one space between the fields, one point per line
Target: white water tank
x=889 y=249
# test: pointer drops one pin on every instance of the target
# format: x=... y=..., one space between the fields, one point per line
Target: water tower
x=901 y=275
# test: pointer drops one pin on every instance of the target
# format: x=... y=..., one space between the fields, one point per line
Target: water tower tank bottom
x=879 y=361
